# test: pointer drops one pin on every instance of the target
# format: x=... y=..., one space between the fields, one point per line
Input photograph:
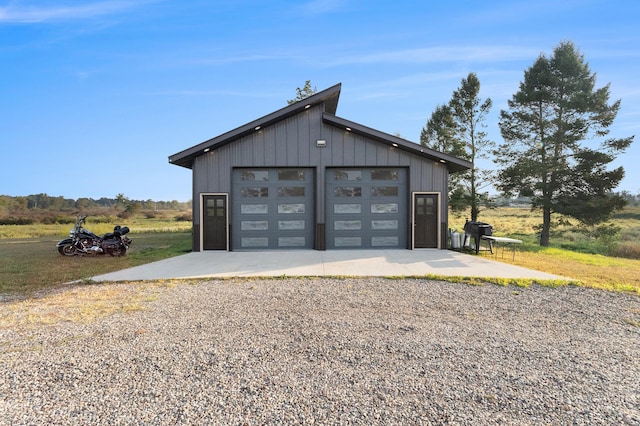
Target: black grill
x=476 y=230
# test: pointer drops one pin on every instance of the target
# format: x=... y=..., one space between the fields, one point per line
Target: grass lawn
x=591 y=270
x=136 y=224
x=28 y=265
x=30 y=262
x=572 y=254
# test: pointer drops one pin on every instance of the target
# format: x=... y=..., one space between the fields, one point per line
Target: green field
x=521 y=223
x=98 y=225
x=29 y=265
x=29 y=261
x=610 y=262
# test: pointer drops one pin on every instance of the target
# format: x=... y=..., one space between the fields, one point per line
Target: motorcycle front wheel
x=67 y=250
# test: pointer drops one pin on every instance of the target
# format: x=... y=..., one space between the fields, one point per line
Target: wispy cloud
x=250 y=57
x=317 y=7
x=323 y=58
x=42 y=14
x=441 y=54
x=212 y=93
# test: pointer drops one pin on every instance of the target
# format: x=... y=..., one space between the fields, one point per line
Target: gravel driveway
x=334 y=351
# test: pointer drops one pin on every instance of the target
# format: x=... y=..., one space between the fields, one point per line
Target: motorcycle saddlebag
x=110 y=245
x=122 y=231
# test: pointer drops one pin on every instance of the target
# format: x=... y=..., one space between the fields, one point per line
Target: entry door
x=425 y=216
x=214 y=226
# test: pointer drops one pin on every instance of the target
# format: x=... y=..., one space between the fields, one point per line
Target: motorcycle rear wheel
x=118 y=252
x=67 y=250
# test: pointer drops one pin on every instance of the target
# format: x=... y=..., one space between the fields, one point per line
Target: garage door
x=366 y=208
x=272 y=209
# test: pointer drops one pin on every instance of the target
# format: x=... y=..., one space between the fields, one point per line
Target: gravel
x=334 y=351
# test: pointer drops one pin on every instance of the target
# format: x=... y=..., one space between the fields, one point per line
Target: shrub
x=62 y=220
x=13 y=220
x=630 y=234
x=627 y=250
x=100 y=219
x=185 y=217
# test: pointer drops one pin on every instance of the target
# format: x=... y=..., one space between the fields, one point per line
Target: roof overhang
x=453 y=164
x=328 y=97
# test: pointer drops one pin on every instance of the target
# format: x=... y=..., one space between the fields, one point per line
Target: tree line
x=59 y=203
x=548 y=152
x=43 y=208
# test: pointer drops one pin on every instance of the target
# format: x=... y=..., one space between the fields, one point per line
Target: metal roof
x=329 y=99
x=454 y=164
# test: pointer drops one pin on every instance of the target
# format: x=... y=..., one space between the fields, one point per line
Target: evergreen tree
x=303 y=93
x=557 y=108
x=456 y=129
x=440 y=134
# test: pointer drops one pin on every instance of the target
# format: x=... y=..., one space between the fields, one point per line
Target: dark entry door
x=214 y=228
x=425 y=230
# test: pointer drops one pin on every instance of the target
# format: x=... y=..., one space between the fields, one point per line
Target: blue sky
x=96 y=94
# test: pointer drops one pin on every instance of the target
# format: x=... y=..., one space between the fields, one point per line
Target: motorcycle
x=81 y=241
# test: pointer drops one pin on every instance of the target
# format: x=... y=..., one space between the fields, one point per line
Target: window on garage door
x=366 y=208
x=272 y=208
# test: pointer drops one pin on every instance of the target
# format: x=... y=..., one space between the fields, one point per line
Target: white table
x=504 y=241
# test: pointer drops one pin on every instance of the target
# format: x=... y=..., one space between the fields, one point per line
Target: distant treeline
x=47 y=202
x=43 y=208
x=502 y=201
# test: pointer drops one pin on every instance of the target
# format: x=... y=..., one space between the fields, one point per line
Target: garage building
x=304 y=178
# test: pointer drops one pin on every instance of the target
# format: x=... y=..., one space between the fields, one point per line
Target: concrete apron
x=351 y=263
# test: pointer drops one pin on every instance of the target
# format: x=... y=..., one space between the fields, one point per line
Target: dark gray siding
x=292 y=143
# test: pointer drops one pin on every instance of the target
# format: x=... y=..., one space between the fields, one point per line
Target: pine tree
x=303 y=93
x=543 y=156
x=456 y=129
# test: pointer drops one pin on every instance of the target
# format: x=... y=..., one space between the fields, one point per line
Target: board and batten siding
x=292 y=143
